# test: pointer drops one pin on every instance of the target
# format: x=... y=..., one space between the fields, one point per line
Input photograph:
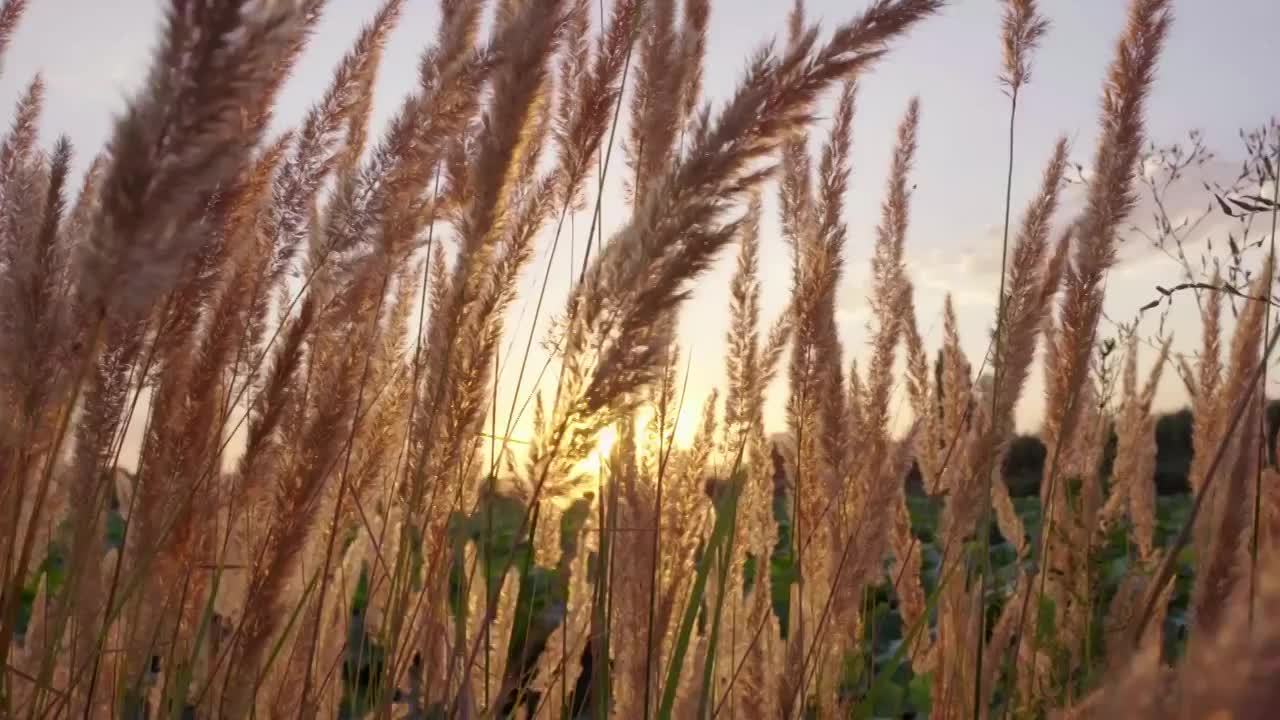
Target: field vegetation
x=325 y=518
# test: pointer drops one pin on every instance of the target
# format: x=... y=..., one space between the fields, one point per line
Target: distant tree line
x=1025 y=462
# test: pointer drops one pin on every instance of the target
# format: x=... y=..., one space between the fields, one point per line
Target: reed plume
x=1021 y=32
x=304 y=330
x=674 y=235
x=1131 y=489
x=1109 y=200
x=1229 y=505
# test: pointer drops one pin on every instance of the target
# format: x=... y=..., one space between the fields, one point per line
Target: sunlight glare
x=604 y=444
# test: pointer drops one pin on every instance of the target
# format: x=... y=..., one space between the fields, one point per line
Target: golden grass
x=363 y=548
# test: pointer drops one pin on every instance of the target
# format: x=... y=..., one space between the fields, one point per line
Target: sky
x=1217 y=75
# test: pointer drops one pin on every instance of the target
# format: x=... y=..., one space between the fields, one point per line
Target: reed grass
x=307 y=328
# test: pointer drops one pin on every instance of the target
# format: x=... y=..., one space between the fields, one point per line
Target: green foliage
x=783 y=572
x=719 y=544
x=879 y=681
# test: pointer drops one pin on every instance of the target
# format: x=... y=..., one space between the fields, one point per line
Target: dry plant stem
x=123 y=203
x=1051 y=477
x=596 y=217
x=737 y=464
x=418 y=363
x=984 y=524
x=412 y=404
x=439 y=548
x=657 y=539
x=798 y=692
x=604 y=168
x=118 y=445
x=602 y=595
x=951 y=446
x=1022 y=31
x=1264 y=448
x=98 y=331
x=944 y=573
x=117 y=605
x=797 y=530
x=654 y=578
x=374 y=317
x=417 y=368
x=1165 y=572
x=603 y=156
x=356 y=421
x=206 y=474
x=115 y=460
x=533 y=328
x=595 y=222
x=13 y=589
x=528 y=522
x=960 y=427
x=606 y=154
x=943 y=578
x=474 y=565
x=827 y=603
x=1197 y=288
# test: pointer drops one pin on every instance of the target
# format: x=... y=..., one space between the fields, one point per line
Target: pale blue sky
x=1218 y=74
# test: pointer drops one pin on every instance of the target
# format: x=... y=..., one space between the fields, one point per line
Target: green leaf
x=720 y=535
x=864 y=709
x=920 y=693
x=727 y=506
x=888 y=699
x=1046 y=621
